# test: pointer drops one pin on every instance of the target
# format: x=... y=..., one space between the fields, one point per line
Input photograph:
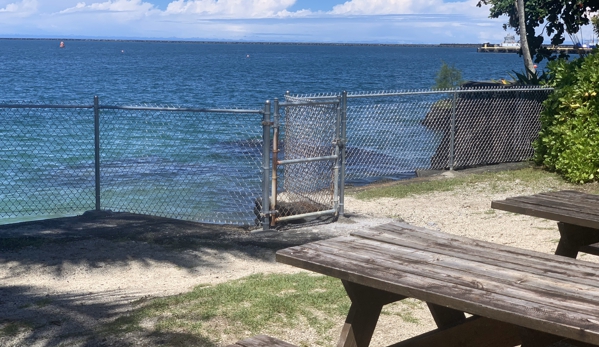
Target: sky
x=350 y=21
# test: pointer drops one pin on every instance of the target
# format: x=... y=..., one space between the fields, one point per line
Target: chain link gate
x=306 y=150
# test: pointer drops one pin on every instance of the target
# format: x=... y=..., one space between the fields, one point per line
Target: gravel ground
x=67 y=276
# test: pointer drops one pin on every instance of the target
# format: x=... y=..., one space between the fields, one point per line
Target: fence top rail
x=309 y=103
x=135 y=108
x=13 y=105
x=390 y=93
x=182 y=109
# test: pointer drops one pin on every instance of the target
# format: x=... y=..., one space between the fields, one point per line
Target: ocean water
x=224 y=74
x=177 y=165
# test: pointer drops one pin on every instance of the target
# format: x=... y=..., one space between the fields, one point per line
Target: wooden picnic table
x=515 y=296
x=577 y=215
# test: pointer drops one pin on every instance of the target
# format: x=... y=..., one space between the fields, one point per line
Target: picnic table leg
x=363 y=315
x=446 y=317
x=531 y=338
x=572 y=237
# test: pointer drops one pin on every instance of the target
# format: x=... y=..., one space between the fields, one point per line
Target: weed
x=13 y=328
x=496 y=181
x=10 y=329
x=43 y=302
x=246 y=306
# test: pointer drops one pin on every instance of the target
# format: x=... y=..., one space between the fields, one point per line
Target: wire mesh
x=206 y=165
x=393 y=134
x=307 y=131
x=496 y=126
x=198 y=166
x=46 y=160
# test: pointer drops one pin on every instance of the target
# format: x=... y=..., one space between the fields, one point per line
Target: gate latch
x=269 y=213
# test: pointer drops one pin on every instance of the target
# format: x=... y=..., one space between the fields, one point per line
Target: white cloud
x=21 y=8
x=231 y=8
x=112 y=6
x=384 y=7
x=427 y=21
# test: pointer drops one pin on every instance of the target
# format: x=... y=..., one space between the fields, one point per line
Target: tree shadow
x=39 y=316
x=121 y=237
x=29 y=319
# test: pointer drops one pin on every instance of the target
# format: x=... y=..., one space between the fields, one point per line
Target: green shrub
x=448 y=77
x=529 y=78
x=569 y=139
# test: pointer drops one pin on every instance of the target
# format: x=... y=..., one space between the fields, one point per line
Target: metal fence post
x=275 y=158
x=337 y=167
x=266 y=123
x=97 y=149
x=343 y=143
x=452 y=134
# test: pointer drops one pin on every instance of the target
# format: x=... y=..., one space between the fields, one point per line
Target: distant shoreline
x=455 y=45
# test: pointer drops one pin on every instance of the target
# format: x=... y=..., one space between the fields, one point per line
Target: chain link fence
x=394 y=134
x=182 y=163
x=193 y=164
x=219 y=165
x=46 y=160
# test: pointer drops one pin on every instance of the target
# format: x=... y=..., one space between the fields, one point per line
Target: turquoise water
x=185 y=165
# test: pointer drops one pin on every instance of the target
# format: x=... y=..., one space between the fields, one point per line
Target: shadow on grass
x=35 y=317
x=29 y=319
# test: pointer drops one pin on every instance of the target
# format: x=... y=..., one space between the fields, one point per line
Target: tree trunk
x=523 y=39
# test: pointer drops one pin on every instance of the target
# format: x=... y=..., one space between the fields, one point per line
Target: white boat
x=510 y=41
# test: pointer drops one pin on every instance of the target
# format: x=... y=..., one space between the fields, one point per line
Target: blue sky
x=384 y=21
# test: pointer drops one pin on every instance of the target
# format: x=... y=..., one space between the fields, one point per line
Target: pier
x=491 y=48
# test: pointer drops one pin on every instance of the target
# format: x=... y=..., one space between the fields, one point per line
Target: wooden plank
x=513 y=258
x=262 y=341
x=563 y=205
x=540 y=272
x=548 y=213
x=584 y=206
x=401 y=259
x=517 y=311
x=379 y=276
x=574 y=195
x=559 y=295
x=484 y=252
x=496 y=251
x=474 y=332
x=478 y=264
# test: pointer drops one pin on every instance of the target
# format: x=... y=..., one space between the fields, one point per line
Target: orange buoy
x=61 y=44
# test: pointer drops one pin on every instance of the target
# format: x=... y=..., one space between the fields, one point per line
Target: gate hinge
x=269 y=213
x=339 y=142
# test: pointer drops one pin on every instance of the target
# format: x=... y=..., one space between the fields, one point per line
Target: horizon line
x=204 y=41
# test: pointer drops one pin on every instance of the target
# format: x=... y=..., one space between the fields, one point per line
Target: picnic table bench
x=515 y=296
x=577 y=215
